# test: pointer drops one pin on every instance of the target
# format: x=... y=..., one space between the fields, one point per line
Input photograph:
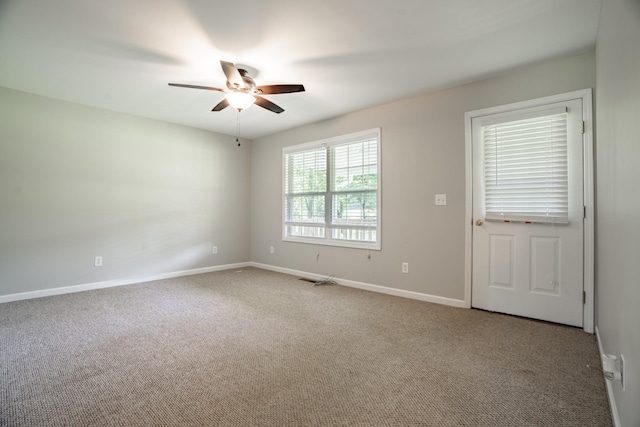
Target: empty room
x=337 y=213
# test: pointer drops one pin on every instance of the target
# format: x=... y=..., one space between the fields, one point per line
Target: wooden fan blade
x=196 y=87
x=264 y=103
x=275 y=89
x=232 y=73
x=221 y=105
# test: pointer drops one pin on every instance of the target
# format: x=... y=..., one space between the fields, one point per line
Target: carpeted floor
x=256 y=348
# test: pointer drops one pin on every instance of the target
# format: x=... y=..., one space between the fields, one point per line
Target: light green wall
x=150 y=197
x=618 y=200
x=423 y=153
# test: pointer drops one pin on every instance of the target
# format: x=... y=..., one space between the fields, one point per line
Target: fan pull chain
x=238 y=127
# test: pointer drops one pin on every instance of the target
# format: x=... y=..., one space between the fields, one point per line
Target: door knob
x=479 y=222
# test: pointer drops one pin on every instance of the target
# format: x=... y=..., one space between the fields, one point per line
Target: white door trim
x=589 y=225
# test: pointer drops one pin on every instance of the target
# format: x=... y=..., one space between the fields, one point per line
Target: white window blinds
x=305 y=191
x=354 y=185
x=332 y=191
x=525 y=168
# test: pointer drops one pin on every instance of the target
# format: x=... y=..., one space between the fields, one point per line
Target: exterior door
x=527 y=252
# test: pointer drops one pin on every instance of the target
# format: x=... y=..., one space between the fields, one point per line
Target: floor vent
x=326 y=281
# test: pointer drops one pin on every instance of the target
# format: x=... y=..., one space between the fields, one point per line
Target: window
x=332 y=191
x=525 y=167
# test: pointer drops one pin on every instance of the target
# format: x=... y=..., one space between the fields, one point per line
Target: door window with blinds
x=525 y=166
x=332 y=191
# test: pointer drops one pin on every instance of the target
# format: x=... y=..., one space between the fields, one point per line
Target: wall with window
x=618 y=203
x=149 y=197
x=422 y=154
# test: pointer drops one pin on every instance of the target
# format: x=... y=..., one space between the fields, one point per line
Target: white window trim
x=589 y=224
x=327 y=240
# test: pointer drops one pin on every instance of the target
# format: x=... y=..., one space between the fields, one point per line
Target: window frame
x=329 y=193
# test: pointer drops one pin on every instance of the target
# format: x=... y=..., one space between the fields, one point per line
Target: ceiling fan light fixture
x=240 y=100
x=242 y=91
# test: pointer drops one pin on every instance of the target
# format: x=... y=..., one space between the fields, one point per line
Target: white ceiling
x=349 y=54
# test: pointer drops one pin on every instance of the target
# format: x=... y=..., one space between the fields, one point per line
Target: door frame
x=588 y=175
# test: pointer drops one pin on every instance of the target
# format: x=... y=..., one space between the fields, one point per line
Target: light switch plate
x=441 y=199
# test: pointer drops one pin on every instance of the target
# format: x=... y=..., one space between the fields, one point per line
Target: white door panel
x=531 y=269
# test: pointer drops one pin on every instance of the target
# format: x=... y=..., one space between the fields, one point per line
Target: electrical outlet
x=97 y=261
x=215 y=250
x=622 y=371
x=441 y=199
x=272 y=250
x=405 y=267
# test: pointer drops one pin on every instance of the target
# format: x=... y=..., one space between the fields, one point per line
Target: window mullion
x=328 y=199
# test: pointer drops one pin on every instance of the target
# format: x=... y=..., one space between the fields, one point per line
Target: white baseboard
x=117 y=282
x=130 y=281
x=367 y=286
x=612 y=400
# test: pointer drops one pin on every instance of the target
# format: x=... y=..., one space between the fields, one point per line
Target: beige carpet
x=258 y=348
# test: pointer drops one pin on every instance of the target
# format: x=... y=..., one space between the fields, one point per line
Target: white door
x=527 y=238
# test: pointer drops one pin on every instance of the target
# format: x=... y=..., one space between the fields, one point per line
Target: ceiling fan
x=242 y=91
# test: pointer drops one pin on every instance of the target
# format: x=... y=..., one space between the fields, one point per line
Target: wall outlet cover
x=441 y=199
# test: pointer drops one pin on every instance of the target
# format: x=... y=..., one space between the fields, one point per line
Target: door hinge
x=584 y=212
x=584 y=297
x=583 y=127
